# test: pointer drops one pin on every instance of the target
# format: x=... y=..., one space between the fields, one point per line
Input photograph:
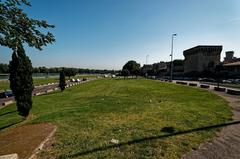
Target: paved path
x=211 y=85
x=227 y=143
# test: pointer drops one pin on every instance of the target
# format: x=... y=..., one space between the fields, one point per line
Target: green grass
x=4 y=84
x=88 y=116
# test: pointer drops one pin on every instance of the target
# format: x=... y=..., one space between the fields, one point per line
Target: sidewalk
x=227 y=143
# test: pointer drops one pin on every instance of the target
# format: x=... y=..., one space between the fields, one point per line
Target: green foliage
x=178 y=62
x=62 y=82
x=70 y=72
x=133 y=67
x=125 y=73
x=17 y=28
x=21 y=81
x=4 y=68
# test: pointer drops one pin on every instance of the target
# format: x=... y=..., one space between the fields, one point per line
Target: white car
x=73 y=80
x=78 y=80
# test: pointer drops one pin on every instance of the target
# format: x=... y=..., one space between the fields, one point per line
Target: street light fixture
x=147 y=59
x=172 y=57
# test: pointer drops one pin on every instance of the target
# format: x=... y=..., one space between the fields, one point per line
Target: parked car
x=207 y=80
x=238 y=81
x=226 y=81
x=78 y=80
x=73 y=80
x=6 y=94
x=235 y=81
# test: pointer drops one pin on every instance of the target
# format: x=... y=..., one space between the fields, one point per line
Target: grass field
x=4 y=84
x=88 y=116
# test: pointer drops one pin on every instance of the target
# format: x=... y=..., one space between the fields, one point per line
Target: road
x=42 y=89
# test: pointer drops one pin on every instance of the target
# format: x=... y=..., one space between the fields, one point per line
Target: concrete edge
x=40 y=147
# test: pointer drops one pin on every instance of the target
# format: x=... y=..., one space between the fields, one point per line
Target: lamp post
x=172 y=57
x=146 y=74
x=147 y=59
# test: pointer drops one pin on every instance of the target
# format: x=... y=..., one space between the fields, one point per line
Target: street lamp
x=146 y=74
x=172 y=57
x=147 y=59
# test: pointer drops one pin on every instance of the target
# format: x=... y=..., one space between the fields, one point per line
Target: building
x=233 y=68
x=231 y=64
x=230 y=57
x=201 y=58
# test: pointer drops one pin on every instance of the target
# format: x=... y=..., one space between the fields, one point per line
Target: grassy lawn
x=4 y=84
x=88 y=116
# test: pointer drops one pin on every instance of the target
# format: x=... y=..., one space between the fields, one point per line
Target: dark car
x=207 y=80
x=6 y=94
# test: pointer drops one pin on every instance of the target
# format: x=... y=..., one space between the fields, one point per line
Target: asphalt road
x=42 y=89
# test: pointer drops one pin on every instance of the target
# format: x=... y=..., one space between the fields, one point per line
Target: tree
x=125 y=73
x=17 y=29
x=62 y=82
x=43 y=69
x=4 y=68
x=218 y=73
x=21 y=81
x=70 y=72
x=133 y=67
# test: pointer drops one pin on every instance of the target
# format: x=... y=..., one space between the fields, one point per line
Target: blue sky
x=105 y=34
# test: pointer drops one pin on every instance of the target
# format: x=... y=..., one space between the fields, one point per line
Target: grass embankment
x=88 y=116
x=4 y=84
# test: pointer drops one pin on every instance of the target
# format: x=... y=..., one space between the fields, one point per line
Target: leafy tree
x=219 y=73
x=17 y=29
x=125 y=73
x=21 y=81
x=178 y=62
x=70 y=72
x=43 y=69
x=62 y=82
x=4 y=68
x=133 y=67
x=36 y=70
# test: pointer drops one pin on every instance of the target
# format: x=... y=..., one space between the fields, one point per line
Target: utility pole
x=147 y=59
x=172 y=58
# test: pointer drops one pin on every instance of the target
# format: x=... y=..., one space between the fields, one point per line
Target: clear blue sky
x=105 y=34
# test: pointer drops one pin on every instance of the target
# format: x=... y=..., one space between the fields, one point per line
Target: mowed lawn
x=88 y=116
x=5 y=85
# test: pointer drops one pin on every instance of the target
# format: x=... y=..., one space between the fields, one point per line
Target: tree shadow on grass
x=169 y=130
x=50 y=93
x=6 y=126
x=8 y=113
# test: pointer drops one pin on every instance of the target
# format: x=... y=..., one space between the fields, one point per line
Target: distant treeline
x=5 y=69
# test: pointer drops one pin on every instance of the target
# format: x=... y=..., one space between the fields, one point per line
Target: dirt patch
x=25 y=140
